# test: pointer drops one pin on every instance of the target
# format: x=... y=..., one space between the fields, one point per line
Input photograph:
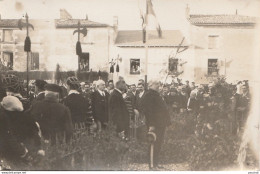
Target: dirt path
x=166 y=167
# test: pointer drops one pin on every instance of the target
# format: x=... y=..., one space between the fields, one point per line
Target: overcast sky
x=170 y=13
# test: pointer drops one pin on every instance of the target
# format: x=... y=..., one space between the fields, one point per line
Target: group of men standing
x=51 y=115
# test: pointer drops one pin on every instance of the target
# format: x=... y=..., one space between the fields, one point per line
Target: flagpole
x=146 y=64
x=146 y=47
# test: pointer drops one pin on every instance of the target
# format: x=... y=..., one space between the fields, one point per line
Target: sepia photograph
x=130 y=85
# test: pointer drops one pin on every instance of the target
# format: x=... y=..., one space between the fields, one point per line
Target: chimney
x=236 y=12
x=86 y=16
x=0 y=17
x=64 y=14
x=115 y=22
x=187 y=11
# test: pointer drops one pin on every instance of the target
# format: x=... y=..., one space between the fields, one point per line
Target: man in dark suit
x=75 y=101
x=139 y=96
x=53 y=117
x=100 y=105
x=39 y=89
x=132 y=94
x=118 y=110
x=141 y=130
x=157 y=116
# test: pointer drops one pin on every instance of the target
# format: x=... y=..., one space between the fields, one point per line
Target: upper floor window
x=213 y=67
x=135 y=66
x=173 y=65
x=7 y=35
x=7 y=60
x=84 y=61
x=213 y=41
x=35 y=62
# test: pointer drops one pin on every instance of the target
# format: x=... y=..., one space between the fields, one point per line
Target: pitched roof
x=60 y=23
x=73 y=23
x=134 y=38
x=9 y=23
x=222 y=20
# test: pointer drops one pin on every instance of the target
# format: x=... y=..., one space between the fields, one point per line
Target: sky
x=170 y=13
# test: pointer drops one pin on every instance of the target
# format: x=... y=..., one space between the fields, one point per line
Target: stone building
x=53 y=43
x=161 y=59
x=224 y=45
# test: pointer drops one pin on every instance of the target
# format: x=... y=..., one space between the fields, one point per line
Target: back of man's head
x=154 y=84
x=121 y=85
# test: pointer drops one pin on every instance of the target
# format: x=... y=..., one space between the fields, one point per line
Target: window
x=173 y=66
x=213 y=67
x=7 y=60
x=34 y=62
x=8 y=35
x=134 y=66
x=84 y=62
x=213 y=41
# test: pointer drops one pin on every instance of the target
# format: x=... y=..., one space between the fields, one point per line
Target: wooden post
x=27 y=60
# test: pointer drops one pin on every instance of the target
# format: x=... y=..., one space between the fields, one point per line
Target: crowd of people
x=51 y=111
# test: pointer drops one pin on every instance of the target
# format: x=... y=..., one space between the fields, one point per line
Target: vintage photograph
x=130 y=85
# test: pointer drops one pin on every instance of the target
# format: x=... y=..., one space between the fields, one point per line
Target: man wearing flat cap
x=53 y=117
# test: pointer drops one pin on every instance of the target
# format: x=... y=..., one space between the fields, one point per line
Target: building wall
x=157 y=63
x=235 y=52
x=59 y=46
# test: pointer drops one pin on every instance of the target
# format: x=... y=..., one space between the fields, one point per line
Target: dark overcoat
x=100 y=106
x=155 y=109
x=118 y=111
x=54 y=119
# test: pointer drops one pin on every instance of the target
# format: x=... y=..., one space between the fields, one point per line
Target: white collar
x=118 y=90
x=42 y=92
x=101 y=92
x=141 y=94
x=73 y=92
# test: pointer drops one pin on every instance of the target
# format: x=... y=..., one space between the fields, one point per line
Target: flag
x=150 y=11
x=143 y=26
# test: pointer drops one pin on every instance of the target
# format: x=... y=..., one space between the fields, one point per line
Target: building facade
x=224 y=45
x=53 y=42
x=161 y=55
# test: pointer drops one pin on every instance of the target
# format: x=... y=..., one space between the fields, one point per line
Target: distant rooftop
x=134 y=38
x=198 y=19
x=59 y=23
x=9 y=23
x=73 y=23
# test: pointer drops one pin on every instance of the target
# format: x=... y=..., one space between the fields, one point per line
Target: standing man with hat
x=53 y=117
x=157 y=117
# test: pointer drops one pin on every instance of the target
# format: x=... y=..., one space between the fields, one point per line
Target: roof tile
x=222 y=19
x=73 y=23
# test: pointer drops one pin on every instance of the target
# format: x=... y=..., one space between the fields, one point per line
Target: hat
x=110 y=81
x=11 y=103
x=53 y=88
x=73 y=82
x=40 y=83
